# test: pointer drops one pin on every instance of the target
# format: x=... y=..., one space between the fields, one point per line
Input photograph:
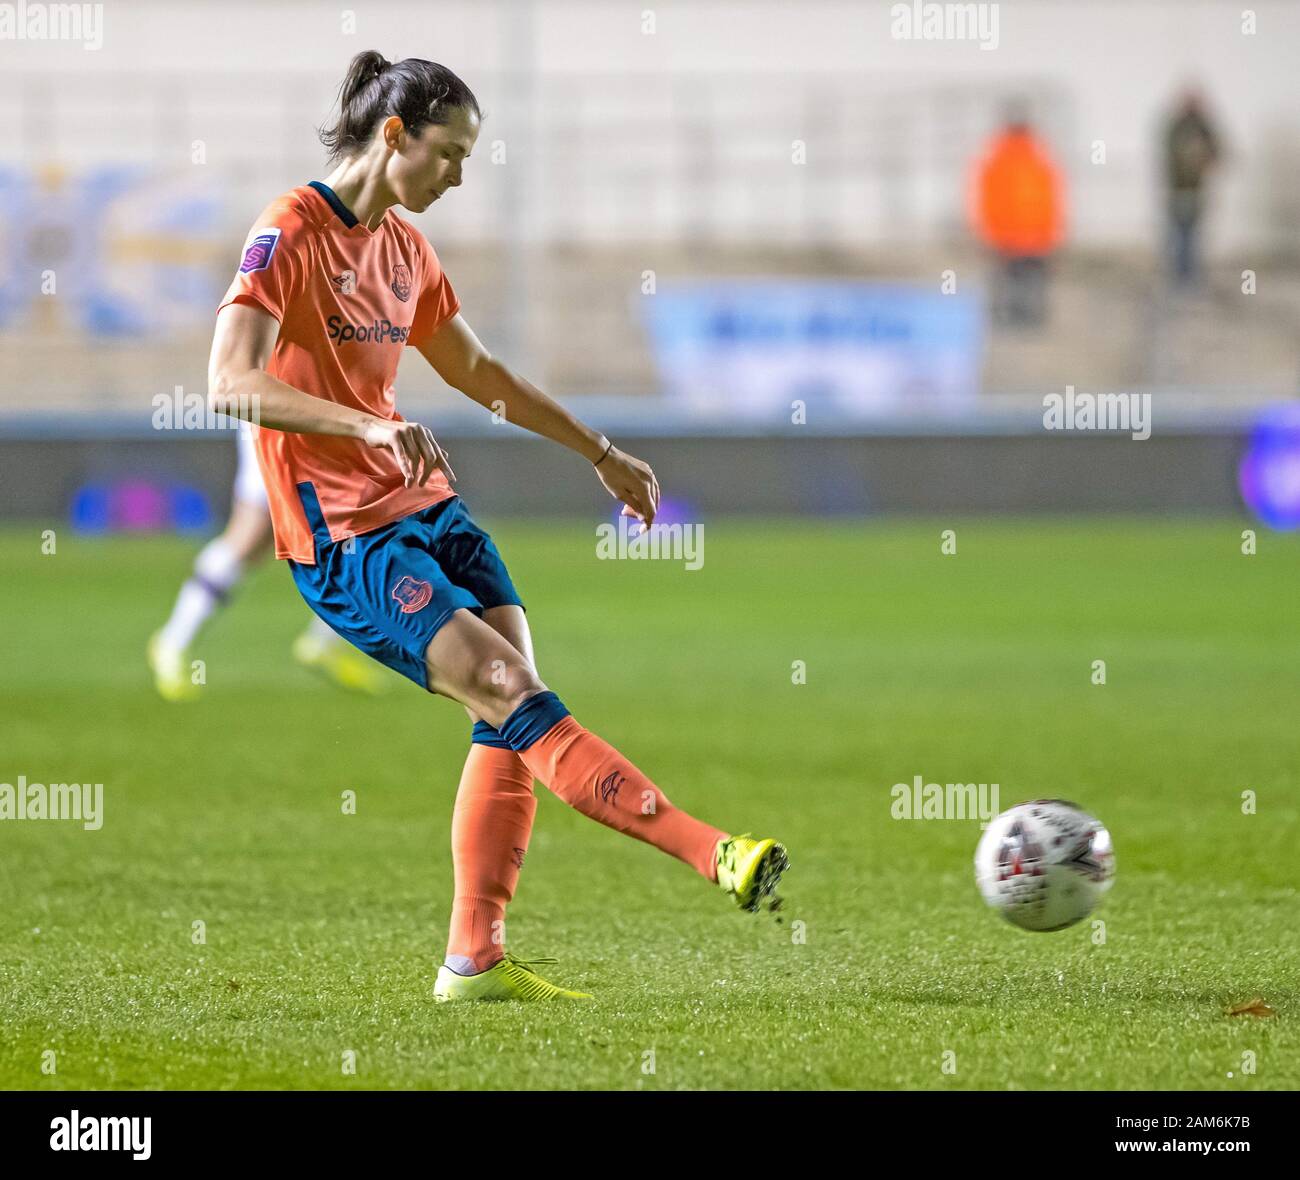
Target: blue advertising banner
x=753 y=348
x=129 y=253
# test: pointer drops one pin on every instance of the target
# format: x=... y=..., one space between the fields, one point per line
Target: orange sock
x=593 y=777
x=490 y=827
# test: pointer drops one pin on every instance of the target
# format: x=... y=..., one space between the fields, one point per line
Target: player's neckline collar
x=344 y=214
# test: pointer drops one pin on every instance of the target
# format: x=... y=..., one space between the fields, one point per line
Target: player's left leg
x=491 y=824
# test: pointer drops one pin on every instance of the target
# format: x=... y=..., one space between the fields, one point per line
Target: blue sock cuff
x=485 y=735
x=536 y=717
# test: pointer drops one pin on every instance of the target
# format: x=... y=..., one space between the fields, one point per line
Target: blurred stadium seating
x=733 y=141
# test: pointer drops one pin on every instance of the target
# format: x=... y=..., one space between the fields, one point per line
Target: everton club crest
x=402 y=281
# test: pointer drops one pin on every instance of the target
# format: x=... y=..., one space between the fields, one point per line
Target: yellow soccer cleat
x=171 y=671
x=750 y=869
x=341 y=663
x=510 y=979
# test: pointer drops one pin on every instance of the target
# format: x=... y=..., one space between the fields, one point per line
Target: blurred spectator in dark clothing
x=1018 y=209
x=1191 y=150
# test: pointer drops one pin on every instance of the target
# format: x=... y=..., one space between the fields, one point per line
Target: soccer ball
x=1044 y=865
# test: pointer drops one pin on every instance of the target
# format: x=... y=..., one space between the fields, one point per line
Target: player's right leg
x=391 y=593
x=387 y=595
x=469 y=662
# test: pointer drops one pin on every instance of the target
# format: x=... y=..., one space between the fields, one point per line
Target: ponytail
x=418 y=92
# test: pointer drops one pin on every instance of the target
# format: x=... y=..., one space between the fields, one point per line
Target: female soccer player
x=331 y=287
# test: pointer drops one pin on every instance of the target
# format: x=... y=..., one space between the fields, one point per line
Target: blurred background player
x=219 y=568
x=1018 y=212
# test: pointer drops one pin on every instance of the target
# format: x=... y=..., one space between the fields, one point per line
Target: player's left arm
x=461 y=360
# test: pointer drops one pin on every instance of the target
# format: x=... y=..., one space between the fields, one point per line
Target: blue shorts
x=389 y=590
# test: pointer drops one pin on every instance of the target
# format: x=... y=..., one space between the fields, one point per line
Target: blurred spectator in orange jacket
x=1017 y=207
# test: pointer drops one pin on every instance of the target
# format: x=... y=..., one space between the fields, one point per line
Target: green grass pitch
x=323 y=930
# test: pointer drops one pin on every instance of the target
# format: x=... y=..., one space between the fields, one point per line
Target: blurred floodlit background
x=838 y=253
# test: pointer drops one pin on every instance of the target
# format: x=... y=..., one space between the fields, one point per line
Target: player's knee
x=504 y=688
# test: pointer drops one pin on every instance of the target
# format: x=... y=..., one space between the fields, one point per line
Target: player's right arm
x=240 y=387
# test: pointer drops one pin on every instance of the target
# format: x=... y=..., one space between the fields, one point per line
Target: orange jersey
x=348 y=299
x=1018 y=199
